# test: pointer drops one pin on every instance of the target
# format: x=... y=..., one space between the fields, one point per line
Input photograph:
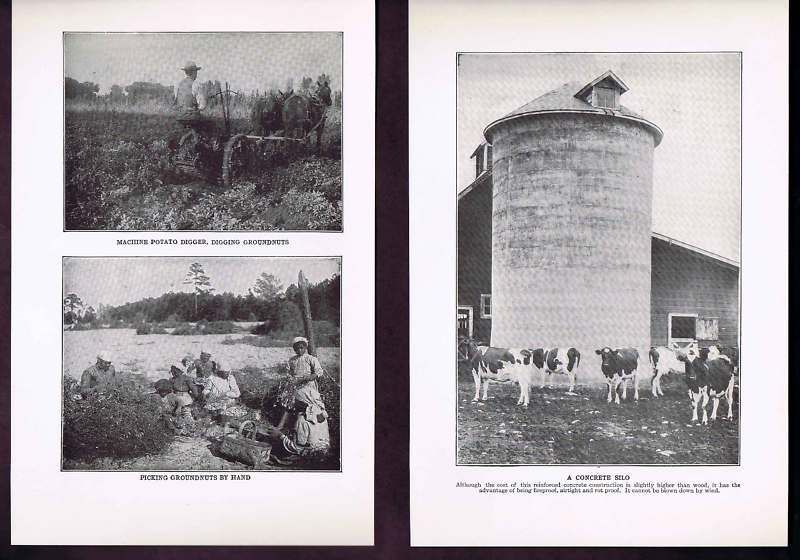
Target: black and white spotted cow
x=730 y=351
x=619 y=365
x=498 y=365
x=708 y=375
x=663 y=360
x=557 y=360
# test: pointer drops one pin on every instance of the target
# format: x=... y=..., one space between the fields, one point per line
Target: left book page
x=192 y=305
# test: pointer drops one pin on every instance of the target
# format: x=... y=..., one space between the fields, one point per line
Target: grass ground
x=558 y=428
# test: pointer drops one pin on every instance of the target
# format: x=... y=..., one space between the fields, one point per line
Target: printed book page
x=193 y=272
x=600 y=195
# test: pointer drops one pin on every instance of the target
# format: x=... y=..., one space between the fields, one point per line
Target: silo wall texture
x=571 y=227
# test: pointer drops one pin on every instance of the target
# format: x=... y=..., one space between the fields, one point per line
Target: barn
x=556 y=230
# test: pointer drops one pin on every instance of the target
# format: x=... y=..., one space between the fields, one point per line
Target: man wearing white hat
x=99 y=375
x=189 y=95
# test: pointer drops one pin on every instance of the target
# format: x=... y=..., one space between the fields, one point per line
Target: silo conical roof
x=563 y=100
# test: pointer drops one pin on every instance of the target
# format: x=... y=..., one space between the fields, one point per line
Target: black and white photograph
x=201 y=363
x=203 y=131
x=599 y=228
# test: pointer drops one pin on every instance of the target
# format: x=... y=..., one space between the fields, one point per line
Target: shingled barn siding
x=475 y=252
x=571 y=230
x=685 y=282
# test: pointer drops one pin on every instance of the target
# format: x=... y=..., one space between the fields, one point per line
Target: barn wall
x=571 y=228
x=686 y=282
x=475 y=252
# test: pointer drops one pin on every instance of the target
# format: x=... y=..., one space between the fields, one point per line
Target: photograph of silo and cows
x=599 y=230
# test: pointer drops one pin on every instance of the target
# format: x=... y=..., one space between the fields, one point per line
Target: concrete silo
x=571 y=220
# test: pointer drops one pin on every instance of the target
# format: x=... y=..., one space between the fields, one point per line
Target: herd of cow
x=709 y=372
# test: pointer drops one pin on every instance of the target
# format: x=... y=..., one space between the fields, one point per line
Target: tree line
x=267 y=302
x=149 y=92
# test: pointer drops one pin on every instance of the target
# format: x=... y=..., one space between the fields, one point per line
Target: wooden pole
x=305 y=308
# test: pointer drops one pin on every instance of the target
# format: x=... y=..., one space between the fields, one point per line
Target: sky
x=248 y=61
x=693 y=97
x=116 y=281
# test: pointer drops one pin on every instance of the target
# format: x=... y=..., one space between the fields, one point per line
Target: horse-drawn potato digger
x=281 y=126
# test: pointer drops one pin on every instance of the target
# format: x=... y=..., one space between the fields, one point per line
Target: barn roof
x=566 y=99
x=697 y=250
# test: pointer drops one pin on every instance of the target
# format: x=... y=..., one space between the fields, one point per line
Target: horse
x=301 y=113
x=266 y=116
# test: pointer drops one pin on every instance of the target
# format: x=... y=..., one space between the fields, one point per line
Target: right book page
x=600 y=196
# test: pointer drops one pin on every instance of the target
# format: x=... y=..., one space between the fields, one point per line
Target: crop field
x=144 y=359
x=118 y=176
x=558 y=428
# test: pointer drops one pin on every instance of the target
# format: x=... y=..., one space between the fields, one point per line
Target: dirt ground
x=584 y=429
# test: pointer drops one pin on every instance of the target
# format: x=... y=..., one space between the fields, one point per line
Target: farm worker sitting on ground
x=184 y=387
x=189 y=95
x=202 y=368
x=311 y=437
x=221 y=390
x=101 y=374
x=301 y=385
x=176 y=413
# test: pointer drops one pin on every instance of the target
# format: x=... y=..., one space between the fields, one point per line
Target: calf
x=663 y=360
x=555 y=360
x=498 y=365
x=618 y=366
x=708 y=375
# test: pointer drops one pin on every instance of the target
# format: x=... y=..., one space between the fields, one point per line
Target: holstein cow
x=498 y=365
x=708 y=375
x=618 y=366
x=663 y=360
x=557 y=360
x=730 y=351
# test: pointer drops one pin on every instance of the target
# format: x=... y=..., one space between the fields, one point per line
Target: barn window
x=464 y=320
x=486 y=306
x=682 y=327
x=488 y=157
x=605 y=97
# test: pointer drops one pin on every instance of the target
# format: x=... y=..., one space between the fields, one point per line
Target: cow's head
x=609 y=360
x=467 y=348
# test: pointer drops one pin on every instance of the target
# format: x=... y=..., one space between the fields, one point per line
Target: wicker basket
x=244 y=449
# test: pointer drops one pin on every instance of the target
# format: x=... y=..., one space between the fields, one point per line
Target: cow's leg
x=714 y=406
x=729 y=399
x=695 y=398
x=617 y=380
x=655 y=383
x=485 y=388
x=477 y=378
x=525 y=392
x=704 y=403
x=571 y=375
x=609 y=383
x=624 y=388
x=635 y=385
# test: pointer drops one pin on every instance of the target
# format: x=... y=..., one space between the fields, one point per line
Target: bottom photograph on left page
x=201 y=364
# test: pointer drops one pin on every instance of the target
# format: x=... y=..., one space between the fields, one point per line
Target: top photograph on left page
x=203 y=131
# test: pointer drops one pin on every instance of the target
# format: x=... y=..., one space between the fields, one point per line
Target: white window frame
x=682 y=341
x=482 y=314
x=469 y=310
